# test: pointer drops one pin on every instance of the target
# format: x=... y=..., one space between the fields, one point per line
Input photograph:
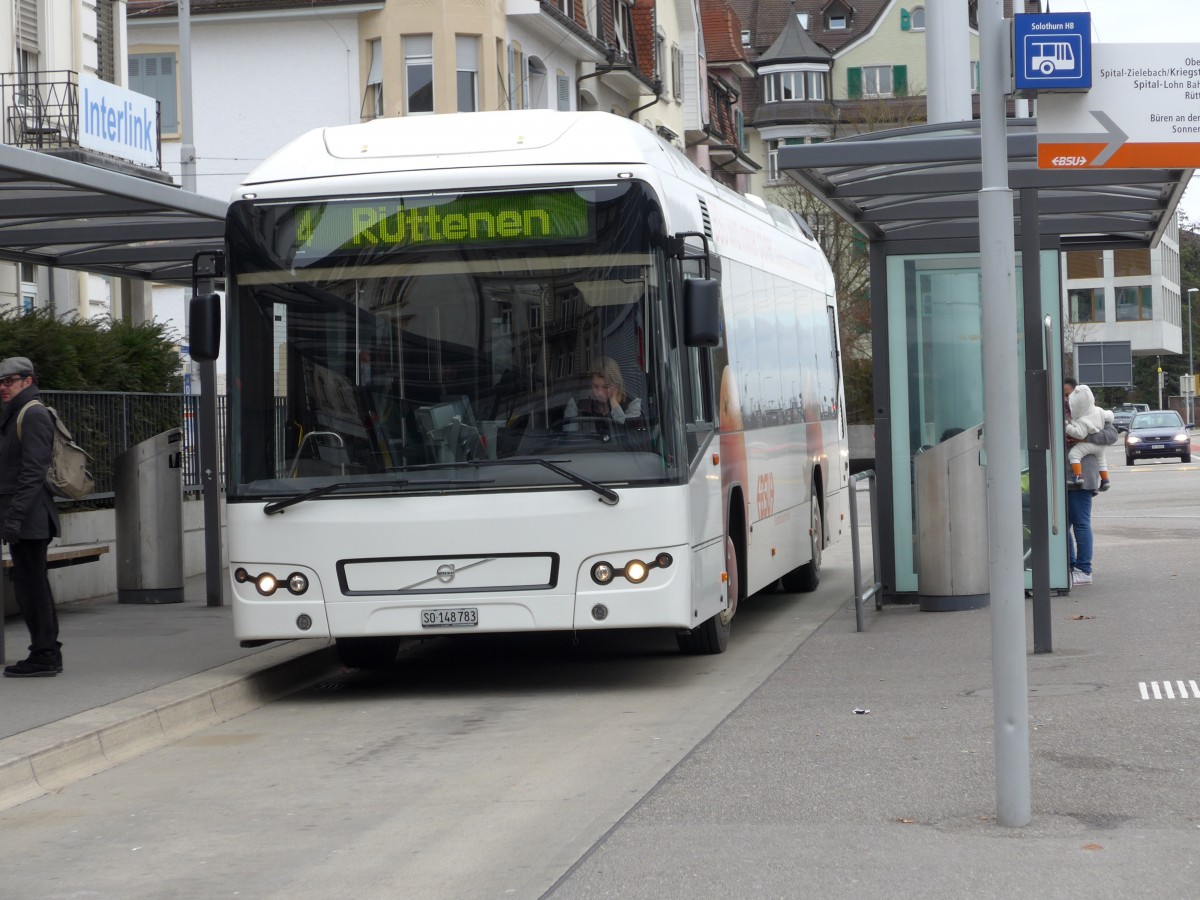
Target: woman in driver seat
x=607 y=398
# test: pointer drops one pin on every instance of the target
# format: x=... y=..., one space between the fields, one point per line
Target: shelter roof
x=920 y=185
x=58 y=212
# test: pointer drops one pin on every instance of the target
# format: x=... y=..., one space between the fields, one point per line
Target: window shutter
x=899 y=81
x=854 y=84
x=418 y=46
x=564 y=93
x=905 y=20
x=27 y=26
x=154 y=76
x=466 y=51
x=375 y=73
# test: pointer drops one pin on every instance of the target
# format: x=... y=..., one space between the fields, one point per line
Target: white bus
x=519 y=371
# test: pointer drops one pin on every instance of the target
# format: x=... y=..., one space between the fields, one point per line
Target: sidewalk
x=865 y=765
x=135 y=677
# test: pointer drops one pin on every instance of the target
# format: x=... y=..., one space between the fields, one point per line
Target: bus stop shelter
x=71 y=215
x=913 y=194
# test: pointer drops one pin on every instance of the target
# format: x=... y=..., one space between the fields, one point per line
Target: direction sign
x=1052 y=52
x=1143 y=112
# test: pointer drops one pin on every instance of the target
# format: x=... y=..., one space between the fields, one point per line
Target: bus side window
x=699 y=408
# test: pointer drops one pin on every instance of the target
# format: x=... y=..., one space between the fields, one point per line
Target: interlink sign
x=117 y=121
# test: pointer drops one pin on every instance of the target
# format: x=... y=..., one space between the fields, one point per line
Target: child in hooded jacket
x=1087 y=419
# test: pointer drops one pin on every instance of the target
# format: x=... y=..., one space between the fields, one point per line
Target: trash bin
x=148 y=485
x=952 y=530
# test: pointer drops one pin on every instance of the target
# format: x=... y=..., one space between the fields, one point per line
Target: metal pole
x=1038 y=431
x=187 y=149
x=1191 y=370
x=210 y=478
x=1002 y=422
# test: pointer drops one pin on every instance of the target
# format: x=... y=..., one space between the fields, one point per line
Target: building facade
x=47 y=48
x=1126 y=295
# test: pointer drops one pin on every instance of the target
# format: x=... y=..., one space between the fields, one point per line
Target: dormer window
x=837 y=16
x=745 y=37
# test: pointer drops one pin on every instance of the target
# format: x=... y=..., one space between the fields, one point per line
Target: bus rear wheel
x=367 y=652
x=713 y=636
x=806 y=578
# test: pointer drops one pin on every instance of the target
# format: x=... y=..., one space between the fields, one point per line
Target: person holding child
x=1086 y=427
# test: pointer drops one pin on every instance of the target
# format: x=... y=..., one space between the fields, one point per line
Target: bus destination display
x=428 y=221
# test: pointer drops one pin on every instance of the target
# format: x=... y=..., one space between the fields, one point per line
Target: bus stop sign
x=1052 y=52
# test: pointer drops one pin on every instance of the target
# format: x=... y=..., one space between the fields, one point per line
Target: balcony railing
x=40 y=109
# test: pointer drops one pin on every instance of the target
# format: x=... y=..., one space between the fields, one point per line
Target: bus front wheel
x=712 y=636
x=367 y=652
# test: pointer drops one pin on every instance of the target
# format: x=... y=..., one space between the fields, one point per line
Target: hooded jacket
x=1086 y=417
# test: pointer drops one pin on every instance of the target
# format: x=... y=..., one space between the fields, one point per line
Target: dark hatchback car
x=1156 y=434
x=1126 y=411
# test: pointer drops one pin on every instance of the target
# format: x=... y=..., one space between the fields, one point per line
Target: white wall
x=256 y=84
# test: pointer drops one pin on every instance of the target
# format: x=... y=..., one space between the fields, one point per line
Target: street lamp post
x=1191 y=371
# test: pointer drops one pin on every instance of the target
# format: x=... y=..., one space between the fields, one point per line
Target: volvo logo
x=445 y=573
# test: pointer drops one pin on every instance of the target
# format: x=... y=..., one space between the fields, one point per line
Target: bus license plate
x=462 y=617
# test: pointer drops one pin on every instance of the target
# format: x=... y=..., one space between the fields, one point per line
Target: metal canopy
x=57 y=212
x=919 y=186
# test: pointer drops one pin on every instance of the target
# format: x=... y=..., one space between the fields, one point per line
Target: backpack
x=68 y=476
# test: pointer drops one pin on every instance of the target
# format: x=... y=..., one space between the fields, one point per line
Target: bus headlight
x=635 y=571
x=297 y=583
x=266 y=584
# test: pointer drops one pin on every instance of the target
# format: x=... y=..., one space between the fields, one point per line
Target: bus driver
x=607 y=398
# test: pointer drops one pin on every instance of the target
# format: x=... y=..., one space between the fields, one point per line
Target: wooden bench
x=56 y=558
x=66 y=555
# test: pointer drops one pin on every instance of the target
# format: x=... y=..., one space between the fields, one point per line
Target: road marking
x=1170 y=689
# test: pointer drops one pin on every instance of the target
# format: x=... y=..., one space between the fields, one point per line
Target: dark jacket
x=23 y=465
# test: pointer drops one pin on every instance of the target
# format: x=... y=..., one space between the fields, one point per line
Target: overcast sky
x=1144 y=22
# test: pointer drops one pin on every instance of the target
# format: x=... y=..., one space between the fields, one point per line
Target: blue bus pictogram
x=1053 y=57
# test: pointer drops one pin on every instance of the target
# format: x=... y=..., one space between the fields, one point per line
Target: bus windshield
x=427 y=334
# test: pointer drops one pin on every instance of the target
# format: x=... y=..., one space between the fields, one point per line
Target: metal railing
x=41 y=109
x=876 y=589
x=107 y=424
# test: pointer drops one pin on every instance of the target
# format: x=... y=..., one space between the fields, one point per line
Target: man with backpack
x=28 y=517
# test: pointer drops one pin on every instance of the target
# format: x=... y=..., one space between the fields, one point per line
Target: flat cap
x=16 y=365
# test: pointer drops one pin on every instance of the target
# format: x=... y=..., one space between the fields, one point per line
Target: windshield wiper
x=278 y=506
x=607 y=495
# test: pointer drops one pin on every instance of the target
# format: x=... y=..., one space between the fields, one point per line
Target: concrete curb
x=49 y=758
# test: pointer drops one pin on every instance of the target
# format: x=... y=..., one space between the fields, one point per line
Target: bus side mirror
x=701 y=312
x=204 y=327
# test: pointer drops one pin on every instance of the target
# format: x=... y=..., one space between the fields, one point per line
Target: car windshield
x=1157 y=420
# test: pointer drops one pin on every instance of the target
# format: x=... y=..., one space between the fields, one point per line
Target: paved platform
x=135 y=677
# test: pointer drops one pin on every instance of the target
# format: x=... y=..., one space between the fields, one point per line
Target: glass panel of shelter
x=936 y=374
